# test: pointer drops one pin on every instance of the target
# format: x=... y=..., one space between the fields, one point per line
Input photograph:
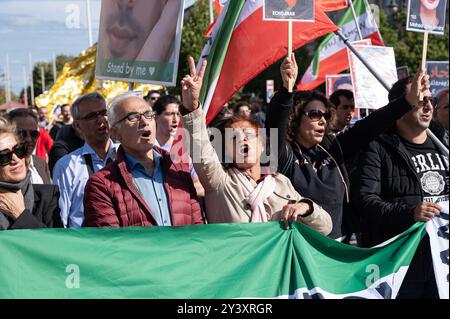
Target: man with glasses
x=27 y=127
x=345 y=108
x=143 y=187
x=72 y=171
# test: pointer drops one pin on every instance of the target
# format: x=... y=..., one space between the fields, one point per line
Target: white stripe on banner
x=383 y=288
x=437 y=229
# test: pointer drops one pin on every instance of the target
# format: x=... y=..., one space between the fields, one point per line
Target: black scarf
x=28 y=195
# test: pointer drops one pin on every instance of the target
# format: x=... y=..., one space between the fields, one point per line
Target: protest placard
x=426 y=16
x=139 y=41
x=295 y=10
x=369 y=92
x=438 y=73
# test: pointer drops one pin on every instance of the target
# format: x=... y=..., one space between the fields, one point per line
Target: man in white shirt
x=72 y=171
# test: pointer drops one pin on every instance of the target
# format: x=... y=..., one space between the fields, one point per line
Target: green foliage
x=408 y=45
x=196 y=22
x=48 y=75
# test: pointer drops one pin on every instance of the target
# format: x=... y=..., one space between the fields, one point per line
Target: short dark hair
x=14 y=114
x=342 y=80
x=399 y=88
x=161 y=104
x=240 y=104
x=334 y=98
x=147 y=97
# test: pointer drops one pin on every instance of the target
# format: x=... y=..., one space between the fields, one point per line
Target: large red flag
x=243 y=45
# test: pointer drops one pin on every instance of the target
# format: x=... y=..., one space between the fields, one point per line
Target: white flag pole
x=88 y=11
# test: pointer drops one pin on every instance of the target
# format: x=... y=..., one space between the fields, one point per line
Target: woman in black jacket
x=22 y=205
x=313 y=158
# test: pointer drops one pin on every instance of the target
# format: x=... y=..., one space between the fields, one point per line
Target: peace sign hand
x=191 y=85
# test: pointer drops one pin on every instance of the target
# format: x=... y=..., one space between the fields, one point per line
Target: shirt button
x=160 y=199
x=248 y=206
x=288 y=196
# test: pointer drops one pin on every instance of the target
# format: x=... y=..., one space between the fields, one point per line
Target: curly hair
x=300 y=102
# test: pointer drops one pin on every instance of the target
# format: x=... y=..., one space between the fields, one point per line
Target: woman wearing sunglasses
x=312 y=158
x=22 y=205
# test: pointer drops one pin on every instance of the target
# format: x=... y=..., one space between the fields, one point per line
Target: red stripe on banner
x=335 y=64
x=332 y=5
x=257 y=44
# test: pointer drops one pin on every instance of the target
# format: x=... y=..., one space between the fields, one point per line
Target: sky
x=43 y=28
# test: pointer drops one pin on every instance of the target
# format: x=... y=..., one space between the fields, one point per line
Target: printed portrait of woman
x=427 y=15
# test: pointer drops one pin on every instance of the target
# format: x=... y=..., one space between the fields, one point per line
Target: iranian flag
x=332 y=5
x=242 y=45
x=240 y=260
x=331 y=56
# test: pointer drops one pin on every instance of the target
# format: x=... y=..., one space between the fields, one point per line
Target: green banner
x=261 y=260
x=135 y=70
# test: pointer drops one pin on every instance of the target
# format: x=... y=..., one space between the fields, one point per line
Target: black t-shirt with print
x=431 y=167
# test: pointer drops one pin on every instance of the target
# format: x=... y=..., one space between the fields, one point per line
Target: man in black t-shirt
x=402 y=177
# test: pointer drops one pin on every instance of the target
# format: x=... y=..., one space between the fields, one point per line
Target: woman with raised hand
x=313 y=158
x=240 y=192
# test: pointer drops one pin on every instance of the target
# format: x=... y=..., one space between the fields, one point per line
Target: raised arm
x=279 y=110
x=205 y=160
x=367 y=129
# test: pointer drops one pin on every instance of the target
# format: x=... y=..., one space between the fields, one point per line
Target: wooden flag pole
x=424 y=57
x=290 y=48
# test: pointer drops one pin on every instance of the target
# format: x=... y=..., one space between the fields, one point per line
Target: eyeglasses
x=154 y=98
x=238 y=133
x=25 y=133
x=93 y=115
x=6 y=155
x=134 y=117
x=316 y=115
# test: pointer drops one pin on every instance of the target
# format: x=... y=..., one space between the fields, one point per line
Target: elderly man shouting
x=143 y=187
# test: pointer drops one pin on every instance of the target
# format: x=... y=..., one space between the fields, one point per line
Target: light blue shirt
x=71 y=175
x=151 y=188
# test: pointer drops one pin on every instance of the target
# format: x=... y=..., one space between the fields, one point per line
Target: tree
x=48 y=77
x=196 y=22
x=408 y=45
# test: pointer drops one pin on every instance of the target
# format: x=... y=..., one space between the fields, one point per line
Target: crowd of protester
x=123 y=163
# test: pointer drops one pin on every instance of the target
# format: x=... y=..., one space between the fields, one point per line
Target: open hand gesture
x=191 y=85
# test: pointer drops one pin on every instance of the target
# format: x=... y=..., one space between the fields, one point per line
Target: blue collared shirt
x=151 y=188
x=71 y=175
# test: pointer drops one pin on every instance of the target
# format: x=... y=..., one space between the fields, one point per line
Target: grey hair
x=94 y=96
x=117 y=102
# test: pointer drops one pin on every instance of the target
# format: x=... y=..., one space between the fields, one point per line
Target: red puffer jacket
x=112 y=200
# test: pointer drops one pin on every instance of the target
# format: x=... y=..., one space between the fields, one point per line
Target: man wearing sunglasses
x=72 y=171
x=315 y=160
x=403 y=179
x=143 y=187
x=27 y=127
x=152 y=97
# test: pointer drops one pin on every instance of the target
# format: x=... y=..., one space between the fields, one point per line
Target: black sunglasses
x=25 y=133
x=6 y=155
x=316 y=115
x=134 y=117
x=93 y=115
